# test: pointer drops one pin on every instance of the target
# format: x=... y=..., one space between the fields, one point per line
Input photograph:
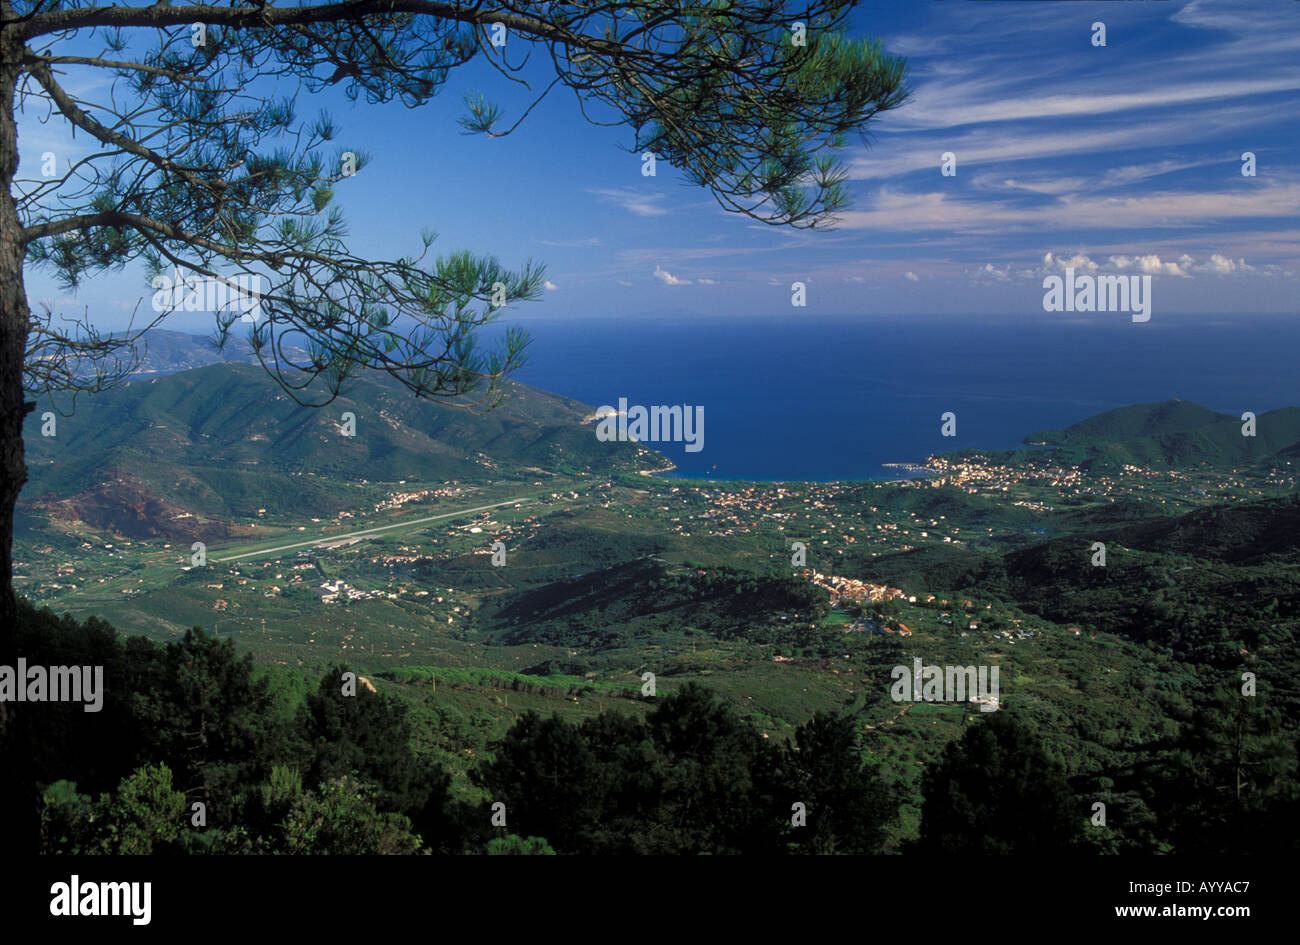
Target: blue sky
x=1123 y=158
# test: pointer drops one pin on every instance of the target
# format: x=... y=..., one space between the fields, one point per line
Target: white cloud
x=707 y=281
x=667 y=278
x=938 y=109
x=895 y=210
x=1222 y=265
x=1149 y=263
x=630 y=200
x=919 y=153
x=1238 y=17
x=1118 y=176
x=1077 y=262
x=991 y=273
x=1216 y=265
x=911 y=277
x=550 y=286
x=1152 y=264
x=1051 y=186
x=1184 y=266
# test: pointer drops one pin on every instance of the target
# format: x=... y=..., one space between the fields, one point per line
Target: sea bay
x=836 y=398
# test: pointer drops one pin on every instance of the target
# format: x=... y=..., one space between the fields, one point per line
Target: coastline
x=657 y=472
x=916 y=470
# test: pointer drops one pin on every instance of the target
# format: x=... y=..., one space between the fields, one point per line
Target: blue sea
x=796 y=398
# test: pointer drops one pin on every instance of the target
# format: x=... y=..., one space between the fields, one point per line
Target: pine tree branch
x=83 y=120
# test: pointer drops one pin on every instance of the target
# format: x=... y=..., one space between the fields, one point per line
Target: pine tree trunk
x=18 y=799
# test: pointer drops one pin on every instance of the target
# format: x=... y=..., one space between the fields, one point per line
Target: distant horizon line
x=805 y=315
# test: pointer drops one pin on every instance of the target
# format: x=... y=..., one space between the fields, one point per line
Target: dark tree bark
x=17 y=786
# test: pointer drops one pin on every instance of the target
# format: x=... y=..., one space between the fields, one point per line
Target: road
x=367 y=531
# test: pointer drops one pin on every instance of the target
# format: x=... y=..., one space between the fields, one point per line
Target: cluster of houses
x=846 y=588
x=331 y=591
x=850 y=589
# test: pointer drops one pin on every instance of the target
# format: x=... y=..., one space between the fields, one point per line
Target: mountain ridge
x=223 y=441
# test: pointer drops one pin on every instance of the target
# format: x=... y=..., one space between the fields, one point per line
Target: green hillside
x=1251 y=533
x=1173 y=434
x=223 y=441
x=1203 y=584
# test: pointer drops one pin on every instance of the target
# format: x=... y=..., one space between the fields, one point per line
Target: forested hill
x=1174 y=434
x=225 y=440
x=1249 y=533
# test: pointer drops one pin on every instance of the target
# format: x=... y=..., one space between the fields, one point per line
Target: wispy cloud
x=941 y=111
x=642 y=204
x=975 y=148
x=894 y=209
